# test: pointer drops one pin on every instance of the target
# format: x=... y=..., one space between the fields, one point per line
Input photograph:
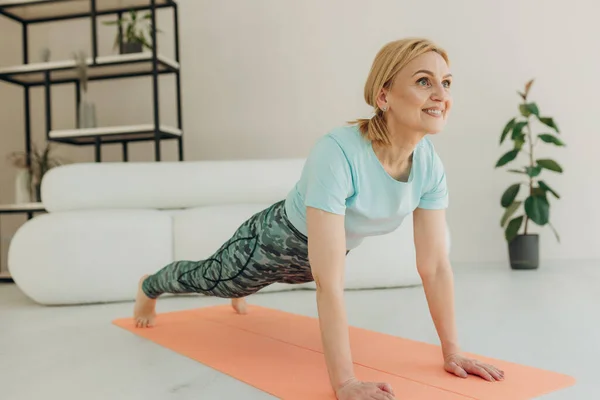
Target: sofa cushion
x=168 y=185
x=89 y=256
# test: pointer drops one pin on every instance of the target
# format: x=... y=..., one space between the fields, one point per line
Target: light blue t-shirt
x=343 y=175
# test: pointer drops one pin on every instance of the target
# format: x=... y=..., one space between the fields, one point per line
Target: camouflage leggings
x=265 y=249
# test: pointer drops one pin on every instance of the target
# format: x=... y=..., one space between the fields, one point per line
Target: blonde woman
x=358 y=180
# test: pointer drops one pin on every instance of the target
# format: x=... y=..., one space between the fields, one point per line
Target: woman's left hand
x=462 y=366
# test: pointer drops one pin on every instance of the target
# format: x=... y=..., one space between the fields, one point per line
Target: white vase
x=22 y=188
x=87 y=115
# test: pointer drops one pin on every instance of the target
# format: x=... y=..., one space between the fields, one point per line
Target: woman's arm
x=327 y=257
x=436 y=274
x=327 y=253
x=438 y=282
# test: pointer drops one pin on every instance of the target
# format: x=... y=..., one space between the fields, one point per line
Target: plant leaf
x=528 y=86
x=517 y=171
x=549 y=165
x=537 y=209
x=548 y=138
x=507 y=157
x=513 y=227
x=518 y=129
x=509 y=195
x=519 y=142
x=547 y=188
x=548 y=121
x=507 y=129
x=529 y=108
x=533 y=171
x=536 y=191
x=510 y=210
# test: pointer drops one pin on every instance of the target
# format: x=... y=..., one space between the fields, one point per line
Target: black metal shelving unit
x=48 y=74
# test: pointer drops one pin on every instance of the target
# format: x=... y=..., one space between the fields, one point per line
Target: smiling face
x=419 y=99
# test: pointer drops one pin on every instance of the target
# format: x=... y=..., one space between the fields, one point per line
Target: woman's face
x=419 y=99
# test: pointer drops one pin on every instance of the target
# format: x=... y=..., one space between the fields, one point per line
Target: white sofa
x=109 y=223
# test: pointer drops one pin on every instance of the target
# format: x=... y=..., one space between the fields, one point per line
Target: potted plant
x=41 y=161
x=136 y=34
x=524 y=247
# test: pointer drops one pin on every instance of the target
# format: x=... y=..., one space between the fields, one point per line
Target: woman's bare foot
x=239 y=305
x=144 y=311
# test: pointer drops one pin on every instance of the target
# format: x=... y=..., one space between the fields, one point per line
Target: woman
x=358 y=180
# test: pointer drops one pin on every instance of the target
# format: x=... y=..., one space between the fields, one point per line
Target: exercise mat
x=281 y=354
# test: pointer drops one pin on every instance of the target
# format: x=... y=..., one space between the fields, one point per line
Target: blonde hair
x=388 y=62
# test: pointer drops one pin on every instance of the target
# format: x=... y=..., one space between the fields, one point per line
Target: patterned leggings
x=265 y=249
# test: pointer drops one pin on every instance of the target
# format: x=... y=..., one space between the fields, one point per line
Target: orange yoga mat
x=280 y=353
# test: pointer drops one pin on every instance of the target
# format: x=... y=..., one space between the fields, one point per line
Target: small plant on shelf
x=41 y=161
x=137 y=33
x=524 y=247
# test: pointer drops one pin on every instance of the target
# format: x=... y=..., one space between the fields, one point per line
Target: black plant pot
x=131 y=47
x=524 y=252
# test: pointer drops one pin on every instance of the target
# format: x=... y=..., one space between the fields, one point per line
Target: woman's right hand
x=357 y=390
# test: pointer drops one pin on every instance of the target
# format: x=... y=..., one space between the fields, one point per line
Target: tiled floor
x=548 y=318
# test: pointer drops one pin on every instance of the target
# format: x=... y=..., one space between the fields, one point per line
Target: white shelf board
x=5 y=275
x=112 y=130
x=112 y=134
x=106 y=66
x=22 y=207
x=30 y=10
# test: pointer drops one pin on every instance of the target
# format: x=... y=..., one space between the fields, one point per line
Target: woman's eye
x=425 y=82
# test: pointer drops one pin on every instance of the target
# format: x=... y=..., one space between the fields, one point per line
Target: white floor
x=547 y=318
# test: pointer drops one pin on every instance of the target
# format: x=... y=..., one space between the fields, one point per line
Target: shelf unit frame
x=132 y=65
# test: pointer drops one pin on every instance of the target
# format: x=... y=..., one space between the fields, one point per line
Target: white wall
x=264 y=79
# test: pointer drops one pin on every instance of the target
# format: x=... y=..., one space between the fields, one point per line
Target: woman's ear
x=382 y=99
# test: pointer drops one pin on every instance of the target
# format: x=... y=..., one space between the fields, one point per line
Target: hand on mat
x=357 y=390
x=462 y=366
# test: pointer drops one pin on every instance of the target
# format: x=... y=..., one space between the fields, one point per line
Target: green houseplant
x=535 y=207
x=137 y=33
